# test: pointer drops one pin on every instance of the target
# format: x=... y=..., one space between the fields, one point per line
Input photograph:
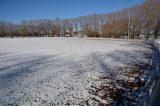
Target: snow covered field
x=71 y=71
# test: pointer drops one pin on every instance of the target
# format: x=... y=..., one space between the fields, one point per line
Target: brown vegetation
x=126 y=23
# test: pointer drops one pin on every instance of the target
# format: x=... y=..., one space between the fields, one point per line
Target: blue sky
x=18 y=10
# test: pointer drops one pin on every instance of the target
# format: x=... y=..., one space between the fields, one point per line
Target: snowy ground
x=71 y=71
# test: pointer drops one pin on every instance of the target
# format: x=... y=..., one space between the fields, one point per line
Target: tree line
x=131 y=23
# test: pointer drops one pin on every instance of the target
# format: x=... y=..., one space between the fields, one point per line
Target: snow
x=158 y=41
x=59 y=45
x=61 y=71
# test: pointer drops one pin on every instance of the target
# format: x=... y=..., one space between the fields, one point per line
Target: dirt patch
x=114 y=91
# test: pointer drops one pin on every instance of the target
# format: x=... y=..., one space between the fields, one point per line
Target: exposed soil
x=120 y=92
